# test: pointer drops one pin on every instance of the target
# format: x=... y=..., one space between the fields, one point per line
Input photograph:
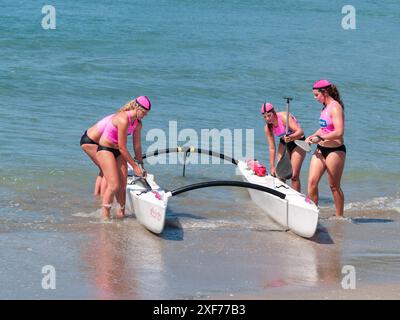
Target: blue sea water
x=204 y=64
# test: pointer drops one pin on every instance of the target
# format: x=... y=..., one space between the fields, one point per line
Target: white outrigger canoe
x=295 y=212
x=289 y=208
x=148 y=206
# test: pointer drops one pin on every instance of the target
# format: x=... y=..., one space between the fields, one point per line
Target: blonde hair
x=130 y=105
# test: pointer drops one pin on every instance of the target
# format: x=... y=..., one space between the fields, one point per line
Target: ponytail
x=333 y=91
x=130 y=105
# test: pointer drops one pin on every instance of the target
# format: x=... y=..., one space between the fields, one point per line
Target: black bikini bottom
x=115 y=152
x=86 y=140
x=291 y=145
x=325 y=151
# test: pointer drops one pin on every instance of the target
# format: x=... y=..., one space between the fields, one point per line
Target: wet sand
x=201 y=258
x=387 y=291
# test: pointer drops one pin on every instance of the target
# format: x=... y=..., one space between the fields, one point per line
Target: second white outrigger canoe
x=289 y=208
x=295 y=212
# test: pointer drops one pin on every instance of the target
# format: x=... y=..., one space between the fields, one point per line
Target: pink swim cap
x=266 y=107
x=321 y=84
x=144 y=102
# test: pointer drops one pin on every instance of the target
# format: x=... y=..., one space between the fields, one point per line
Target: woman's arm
x=137 y=145
x=338 y=122
x=122 y=125
x=316 y=133
x=296 y=128
x=272 y=148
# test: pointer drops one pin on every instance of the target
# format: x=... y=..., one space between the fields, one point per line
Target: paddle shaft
x=284 y=167
x=146 y=184
x=287 y=113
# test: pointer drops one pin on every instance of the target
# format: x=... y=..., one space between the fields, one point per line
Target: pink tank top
x=325 y=120
x=101 y=125
x=111 y=132
x=280 y=130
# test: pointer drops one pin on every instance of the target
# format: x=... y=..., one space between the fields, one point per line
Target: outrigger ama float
x=289 y=208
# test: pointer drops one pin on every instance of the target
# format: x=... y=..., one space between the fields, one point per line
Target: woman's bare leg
x=121 y=194
x=108 y=164
x=91 y=150
x=317 y=169
x=335 y=166
x=296 y=160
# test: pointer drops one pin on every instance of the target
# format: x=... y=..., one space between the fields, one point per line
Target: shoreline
x=387 y=291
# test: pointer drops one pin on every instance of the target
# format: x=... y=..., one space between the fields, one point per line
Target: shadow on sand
x=173 y=228
x=322 y=236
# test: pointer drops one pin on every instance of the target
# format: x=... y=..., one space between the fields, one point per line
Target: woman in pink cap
x=113 y=155
x=330 y=153
x=276 y=125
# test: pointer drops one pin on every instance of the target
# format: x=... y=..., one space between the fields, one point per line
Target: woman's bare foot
x=120 y=213
x=105 y=217
x=106 y=212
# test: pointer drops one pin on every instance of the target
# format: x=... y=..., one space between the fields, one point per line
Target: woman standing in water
x=330 y=154
x=276 y=125
x=113 y=155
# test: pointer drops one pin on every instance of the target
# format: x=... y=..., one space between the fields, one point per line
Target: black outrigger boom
x=186 y=151
x=222 y=183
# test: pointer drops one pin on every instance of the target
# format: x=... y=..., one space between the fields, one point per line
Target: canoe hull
x=295 y=213
x=148 y=207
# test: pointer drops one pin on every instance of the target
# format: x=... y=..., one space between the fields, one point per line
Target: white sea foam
x=93 y=214
x=223 y=224
x=378 y=203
